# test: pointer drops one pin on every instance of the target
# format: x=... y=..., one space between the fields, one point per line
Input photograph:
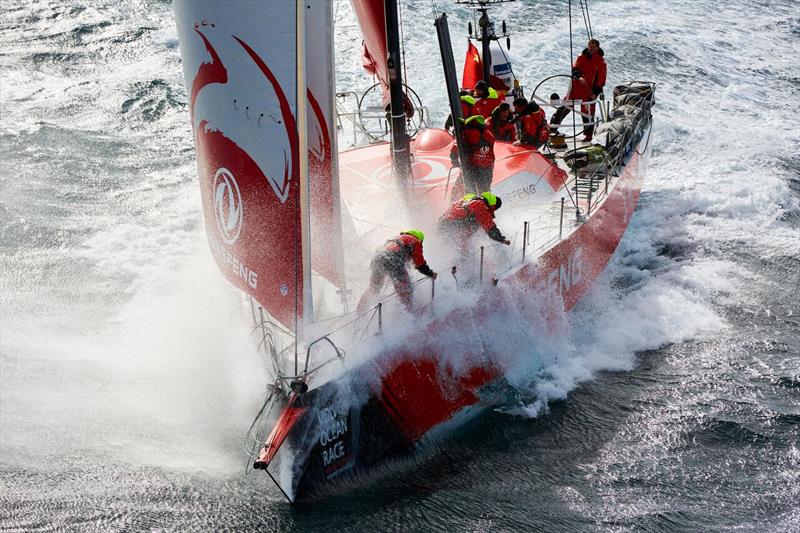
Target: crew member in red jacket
x=464 y=217
x=532 y=123
x=479 y=143
x=592 y=65
x=391 y=261
x=500 y=124
x=588 y=79
x=486 y=99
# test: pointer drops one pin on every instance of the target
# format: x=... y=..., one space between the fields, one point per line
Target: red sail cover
x=473 y=68
x=372 y=20
x=243 y=104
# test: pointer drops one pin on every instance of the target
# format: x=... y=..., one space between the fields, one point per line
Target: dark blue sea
x=128 y=376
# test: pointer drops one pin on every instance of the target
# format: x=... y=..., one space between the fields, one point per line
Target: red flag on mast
x=473 y=68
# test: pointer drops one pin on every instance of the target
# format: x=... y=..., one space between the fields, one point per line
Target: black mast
x=451 y=82
x=401 y=156
x=486 y=52
x=485 y=31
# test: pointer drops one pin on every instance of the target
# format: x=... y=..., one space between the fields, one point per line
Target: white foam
x=168 y=361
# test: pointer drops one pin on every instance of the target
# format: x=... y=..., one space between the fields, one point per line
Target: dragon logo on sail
x=228 y=207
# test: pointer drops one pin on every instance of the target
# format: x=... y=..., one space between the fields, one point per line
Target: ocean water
x=127 y=375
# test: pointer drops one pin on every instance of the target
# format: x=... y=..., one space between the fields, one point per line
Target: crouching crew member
x=500 y=124
x=477 y=170
x=531 y=122
x=391 y=261
x=464 y=217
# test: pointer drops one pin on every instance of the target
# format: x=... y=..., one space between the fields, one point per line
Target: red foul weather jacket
x=480 y=147
x=485 y=106
x=501 y=131
x=580 y=90
x=470 y=214
x=593 y=69
x=533 y=127
x=466 y=108
x=408 y=248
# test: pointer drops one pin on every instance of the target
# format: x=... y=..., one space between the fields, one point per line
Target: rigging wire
x=574 y=125
x=403 y=53
x=588 y=18
x=435 y=9
x=585 y=13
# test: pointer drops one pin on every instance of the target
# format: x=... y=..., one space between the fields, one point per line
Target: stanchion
x=524 y=239
x=481 y=268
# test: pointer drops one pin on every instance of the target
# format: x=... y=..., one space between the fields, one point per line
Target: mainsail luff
x=304 y=198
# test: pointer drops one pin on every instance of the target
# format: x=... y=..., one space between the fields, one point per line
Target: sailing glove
x=495 y=235
x=425 y=270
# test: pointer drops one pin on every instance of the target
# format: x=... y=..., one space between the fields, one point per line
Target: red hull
x=419 y=389
x=413 y=389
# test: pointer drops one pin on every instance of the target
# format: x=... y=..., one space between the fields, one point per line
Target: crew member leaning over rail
x=391 y=261
x=467 y=215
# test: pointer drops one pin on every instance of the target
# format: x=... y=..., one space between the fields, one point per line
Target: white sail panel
x=326 y=233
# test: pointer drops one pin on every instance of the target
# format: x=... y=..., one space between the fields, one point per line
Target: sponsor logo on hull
x=568 y=274
x=428 y=171
x=333 y=440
